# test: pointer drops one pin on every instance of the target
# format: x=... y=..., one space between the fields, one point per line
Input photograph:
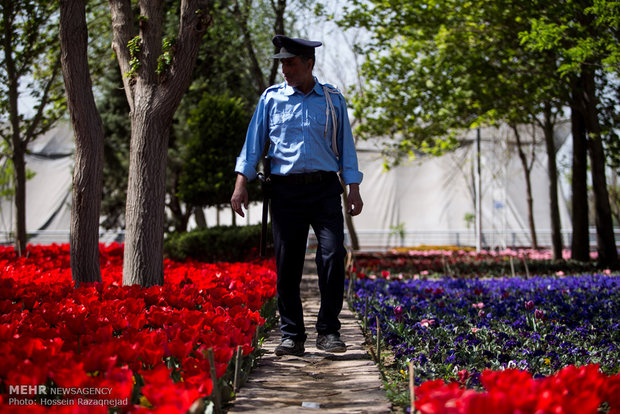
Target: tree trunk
x=556 y=235
x=199 y=216
x=607 y=253
x=144 y=240
x=16 y=144
x=153 y=97
x=580 y=244
x=19 y=175
x=527 y=171
x=88 y=129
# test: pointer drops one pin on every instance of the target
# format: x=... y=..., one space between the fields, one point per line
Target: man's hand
x=355 y=200
x=239 y=198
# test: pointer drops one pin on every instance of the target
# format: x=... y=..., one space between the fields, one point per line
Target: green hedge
x=217 y=244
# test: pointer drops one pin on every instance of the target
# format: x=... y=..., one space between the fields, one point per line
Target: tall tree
x=580 y=242
x=29 y=55
x=88 y=129
x=552 y=171
x=606 y=242
x=155 y=81
x=584 y=36
x=213 y=75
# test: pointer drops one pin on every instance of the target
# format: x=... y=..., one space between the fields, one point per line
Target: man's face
x=295 y=71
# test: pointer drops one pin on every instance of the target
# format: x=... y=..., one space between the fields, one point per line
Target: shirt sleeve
x=348 y=155
x=255 y=140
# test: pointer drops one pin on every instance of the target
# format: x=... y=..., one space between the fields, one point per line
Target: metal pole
x=478 y=188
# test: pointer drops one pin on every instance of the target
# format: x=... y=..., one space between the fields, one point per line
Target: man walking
x=306 y=126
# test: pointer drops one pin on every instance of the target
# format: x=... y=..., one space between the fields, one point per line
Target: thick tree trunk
x=556 y=235
x=153 y=98
x=527 y=171
x=580 y=244
x=88 y=129
x=607 y=253
x=146 y=198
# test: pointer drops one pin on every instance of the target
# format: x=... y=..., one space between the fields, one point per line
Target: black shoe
x=290 y=347
x=330 y=343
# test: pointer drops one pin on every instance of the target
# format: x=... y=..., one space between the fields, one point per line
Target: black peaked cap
x=291 y=47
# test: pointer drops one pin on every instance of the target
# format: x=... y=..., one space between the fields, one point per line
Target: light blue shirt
x=295 y=124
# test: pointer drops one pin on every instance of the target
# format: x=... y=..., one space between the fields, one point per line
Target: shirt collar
x=318 y=88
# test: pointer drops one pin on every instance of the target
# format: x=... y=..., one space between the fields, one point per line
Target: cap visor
x=283 y=55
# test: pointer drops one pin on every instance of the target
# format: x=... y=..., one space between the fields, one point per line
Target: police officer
x=306 y=126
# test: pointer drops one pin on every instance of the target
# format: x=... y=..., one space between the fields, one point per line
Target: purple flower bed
x=455 y=328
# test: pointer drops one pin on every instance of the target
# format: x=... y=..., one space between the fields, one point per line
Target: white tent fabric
x=48 y=192
x=428 y=198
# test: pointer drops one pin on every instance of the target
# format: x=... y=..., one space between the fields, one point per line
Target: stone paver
x=318 y=381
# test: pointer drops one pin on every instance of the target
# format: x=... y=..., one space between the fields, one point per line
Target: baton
x=264 y=179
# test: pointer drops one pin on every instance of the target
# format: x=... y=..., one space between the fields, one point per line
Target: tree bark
x=88 y=129
x=556 y=235
x=144 y=240
x=580 y=244
x=16 y=143
x=19 y=175
x=153 y=99
x=527 y=171
x=199 y=216
x=607 y=252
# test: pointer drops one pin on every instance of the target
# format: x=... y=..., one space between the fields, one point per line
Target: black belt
x=304 y=178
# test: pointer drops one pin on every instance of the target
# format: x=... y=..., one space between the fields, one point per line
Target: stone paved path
x=317 y=381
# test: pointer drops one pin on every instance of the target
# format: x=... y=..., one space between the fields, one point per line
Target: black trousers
x=294 y=208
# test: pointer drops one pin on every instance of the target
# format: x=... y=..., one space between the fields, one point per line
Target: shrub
x=217 y=244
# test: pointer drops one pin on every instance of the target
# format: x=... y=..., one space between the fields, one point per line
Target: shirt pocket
x=318 y=117
x=280 y=118
x=285 y=126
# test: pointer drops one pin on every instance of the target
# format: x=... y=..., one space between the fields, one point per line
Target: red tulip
x=117 y=329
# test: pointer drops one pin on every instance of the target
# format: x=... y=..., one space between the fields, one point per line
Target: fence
x=59 y=237
x=373 y=239
x=491 y=239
